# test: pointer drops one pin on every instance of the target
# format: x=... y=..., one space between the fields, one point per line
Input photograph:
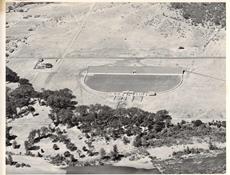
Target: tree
x=14 y=144
x=11 y=76
x=71 y=146
x=137 y=141
x=61 y=99
x=162 y=115
x=197 y=123
x=67 y=154
x=27 y=146
x=102 y=153
x=23 y=81
x=55 y=147
x=72 y=158
x=11 y=106
x=31 y=136
x=125 y=140
x=22 y=94
x=31 y=109
x=114 y=153
x=39 y=154
x=10 y=159
x=8 y=136
x=64 y=116
x=44 y=131
x=159 y=126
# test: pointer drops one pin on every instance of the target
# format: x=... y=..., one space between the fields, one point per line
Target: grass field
x=136 y=83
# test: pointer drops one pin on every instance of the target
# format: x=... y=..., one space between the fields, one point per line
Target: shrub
x=55 y=147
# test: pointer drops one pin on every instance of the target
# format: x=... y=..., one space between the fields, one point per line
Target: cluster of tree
x=188 y=150
x=218 y=123
x=20 y=97
x=35 y=136
x=60 y=137
x=59 y=99
x=109 y=122
x=54 y=133
x=61 y=102
x=146 y=126
x=201 y=13
x=66 y=159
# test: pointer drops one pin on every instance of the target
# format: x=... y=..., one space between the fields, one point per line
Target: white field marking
x=103 y=73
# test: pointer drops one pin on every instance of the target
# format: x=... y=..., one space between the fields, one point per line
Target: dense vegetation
x=201 y=13
x=149 y=128
x=11 y=76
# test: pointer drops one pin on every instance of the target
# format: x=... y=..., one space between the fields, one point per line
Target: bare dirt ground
x=86 y=34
